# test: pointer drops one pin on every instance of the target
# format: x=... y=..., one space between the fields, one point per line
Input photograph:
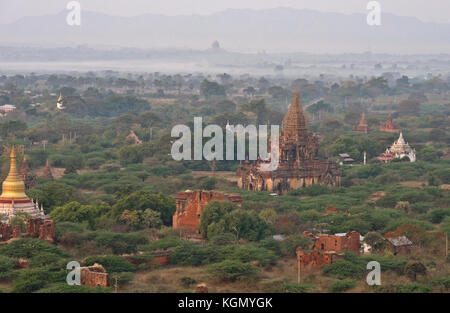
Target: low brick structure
x=190 y=204
x=6 y=232
x=328 y=248
x=42 y=229
x=316 y=258
x=36 y=228
x=94 y=275
x=348 y=242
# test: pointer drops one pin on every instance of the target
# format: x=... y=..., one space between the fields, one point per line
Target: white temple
x=401 y=149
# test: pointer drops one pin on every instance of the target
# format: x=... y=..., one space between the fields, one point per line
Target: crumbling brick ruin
x=36 y=228
x=328 y=248
x=316 y=258
x=5 y=232
x=190 y=204
x=94 y=275
x=42 y=229
x=337 y=243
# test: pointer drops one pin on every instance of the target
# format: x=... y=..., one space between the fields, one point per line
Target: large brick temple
x=299 y=165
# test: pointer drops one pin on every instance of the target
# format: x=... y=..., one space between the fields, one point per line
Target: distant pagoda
x=362 y=127
x=13 y=198
x=47 y=171
x=389 y=126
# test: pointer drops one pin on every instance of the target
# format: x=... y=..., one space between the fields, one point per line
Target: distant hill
x=244 y=30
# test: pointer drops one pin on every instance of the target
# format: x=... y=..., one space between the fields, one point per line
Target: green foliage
x=65 y=288
x=342 y=285
x=28 y=248
x=161 y=244
x=233 y=270
x=30 y=280
x=142 y=200
x=242 y=224
x=292 y=288
x=192 y=254
x=187 y=281
x=111 y=263
x=290 y=244
x=208 y=183
x=7 y=266
x=213 y=212
x=53 y=194
x=442 y=282
x=437 y=215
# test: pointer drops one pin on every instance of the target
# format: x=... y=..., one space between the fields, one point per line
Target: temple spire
x=13 y=186
x=294 y=122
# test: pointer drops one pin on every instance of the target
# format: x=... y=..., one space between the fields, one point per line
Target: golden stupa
x=13 y=198
x=13 y=188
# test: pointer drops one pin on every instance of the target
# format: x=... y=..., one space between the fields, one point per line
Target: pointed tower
x=294 y=122
x=13 y=187
x=389 y=126
x=362 y=127
x=47 y=171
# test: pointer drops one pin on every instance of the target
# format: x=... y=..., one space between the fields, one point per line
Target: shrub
x=29 y=280
x=65 y=288
x=111 y=263
x=187 y=281
x=233 y=270
x=28 y=248
x=122 y=277
x=7 y=266
x=343 y=269
x=292 y=288
x=442 y=282
x=161 y=244
x=342 y=285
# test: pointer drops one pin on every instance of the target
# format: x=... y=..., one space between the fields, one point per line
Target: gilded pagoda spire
x=13 y=187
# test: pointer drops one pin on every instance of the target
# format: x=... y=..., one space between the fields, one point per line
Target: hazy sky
x=426 y=10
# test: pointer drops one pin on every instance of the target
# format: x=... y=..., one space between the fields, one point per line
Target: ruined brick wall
x=349 y=242
x=33 y=227
x=190 y=204
x=6 y=232
x=316 y=259
x=47 y=231
x=42 y=229
x=94 y=276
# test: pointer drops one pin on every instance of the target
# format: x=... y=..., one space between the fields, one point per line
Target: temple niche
x=299 y=165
